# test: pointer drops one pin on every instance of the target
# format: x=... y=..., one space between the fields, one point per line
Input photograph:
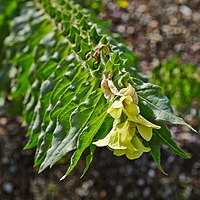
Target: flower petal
x=119 y=137
x=139 y=145
x=129 y=91
x=119 y=152
x=122 y=136
x=103 y=142
x=112 y=87
x=116 y=109
x=115 y=142
x=141 y=120
x=145 y=131
x=133 y=155
x=129 y=154
x=131 y=110
x=126 y=99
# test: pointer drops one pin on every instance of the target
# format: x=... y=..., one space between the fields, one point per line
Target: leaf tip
x=188 y=155
x=160 y=168
x=63 y=177
x=40 y=170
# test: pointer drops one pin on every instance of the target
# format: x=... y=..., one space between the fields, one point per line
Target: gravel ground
x=156 y=29
x=109 y=177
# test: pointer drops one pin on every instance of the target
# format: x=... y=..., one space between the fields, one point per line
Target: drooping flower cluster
x=122 y=139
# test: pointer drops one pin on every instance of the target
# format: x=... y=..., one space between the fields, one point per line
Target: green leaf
x=152 y=96
x=165 y=137
x=154 y=144
x=85 y=138
x=66 y=103
x=79 y=121
x=89 y=159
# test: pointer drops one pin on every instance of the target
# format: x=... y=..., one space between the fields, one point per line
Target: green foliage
x=46 y=67
x=94 y=5
x=8 y=9
x=181 y=83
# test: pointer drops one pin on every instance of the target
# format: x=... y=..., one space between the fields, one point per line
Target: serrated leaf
x=85 y=138
x=68 y=103
x=78 y=122
x=152 y=96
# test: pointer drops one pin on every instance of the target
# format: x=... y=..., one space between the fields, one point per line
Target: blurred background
x=165 y=37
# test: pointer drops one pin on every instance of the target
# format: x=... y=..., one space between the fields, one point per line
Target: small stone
x=155 y=62
x=140 y=182
x=2 y=131
x=142 y=8
x=195 y=47
x=154 y=24
x=3 y=121
x=119 y=190
x=130 y=30
x=171 y=10
x=155 y=37
x=151 y=173
x=179 y=47
x=103 y=194
x=146 y=192
x=166 y=29
x=8 y=187
x=129 y=170
x=13 y=169
x=121 y=29
x=95 y=173
x=171 y=159
x=81 y=192
x=173 y=21
x=5 y=161
x=194 y=172
x=182 y=177
x=185 y=10
x=196 y=16
x=125 y=16
x=145 y=19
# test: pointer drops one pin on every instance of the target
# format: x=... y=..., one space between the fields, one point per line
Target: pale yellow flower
x=136 y=142
x=122 y=140
x=119 y=137
x=125 y=105
x=129 y=91
x=144 y=126
x=116 y=109
x=132 y=111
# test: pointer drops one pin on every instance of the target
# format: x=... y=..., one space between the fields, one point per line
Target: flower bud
x=129 y=91
x=108 y=87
